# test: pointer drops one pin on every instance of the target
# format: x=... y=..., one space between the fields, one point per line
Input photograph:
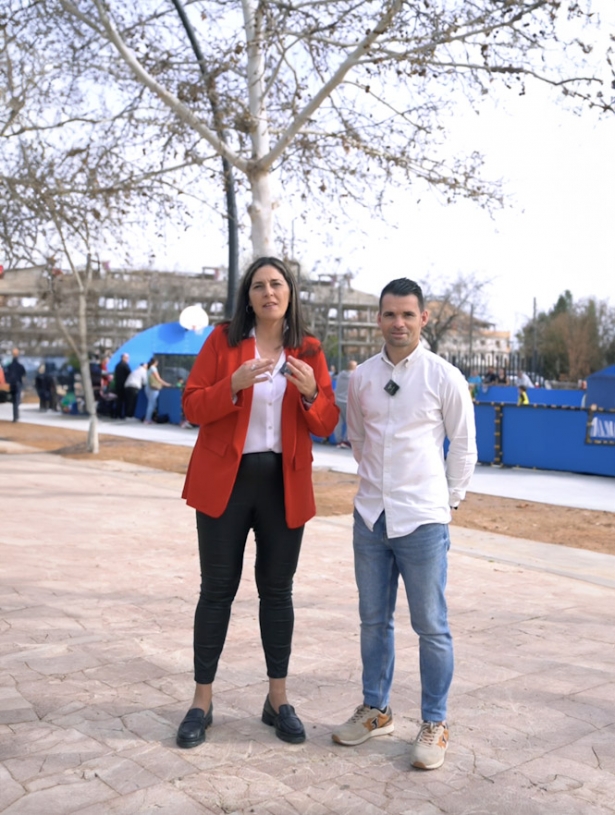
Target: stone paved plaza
x=98 y=582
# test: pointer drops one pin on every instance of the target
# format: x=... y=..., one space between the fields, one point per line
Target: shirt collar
x=253 y=330
x=418 y=351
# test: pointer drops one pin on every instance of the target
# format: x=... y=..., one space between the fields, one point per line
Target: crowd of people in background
x=116 y=392
x=500 y=377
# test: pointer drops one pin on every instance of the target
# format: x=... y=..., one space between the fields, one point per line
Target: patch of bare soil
x=580 y=528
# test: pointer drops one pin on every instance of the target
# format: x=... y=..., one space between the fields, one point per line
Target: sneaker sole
x=420 y=765
x=379 y=731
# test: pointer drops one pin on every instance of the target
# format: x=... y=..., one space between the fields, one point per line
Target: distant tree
x=574 y=339
x=606 y=328
x=564 y=304
x=456 y=306
x=67 y=184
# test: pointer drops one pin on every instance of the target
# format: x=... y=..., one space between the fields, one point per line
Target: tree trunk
x=262 y=205
x=90 y=403
x=81 y=352
x=261 y=216
x=92 y=442
x=86 y=378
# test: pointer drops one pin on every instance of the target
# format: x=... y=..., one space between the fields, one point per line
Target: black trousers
x=131 y=395
x=121 y=406
x=257 y=502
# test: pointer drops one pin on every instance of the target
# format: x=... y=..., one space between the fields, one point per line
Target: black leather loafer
x=287 y=724
x=191 y=731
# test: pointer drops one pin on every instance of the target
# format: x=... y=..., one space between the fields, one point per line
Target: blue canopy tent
x=159 y=340
x=601 y=388
x=170 y=343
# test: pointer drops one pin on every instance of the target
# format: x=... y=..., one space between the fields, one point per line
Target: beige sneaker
x=428 y=749
x=363 y=724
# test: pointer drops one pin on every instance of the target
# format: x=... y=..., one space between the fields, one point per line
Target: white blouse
x=265 y=426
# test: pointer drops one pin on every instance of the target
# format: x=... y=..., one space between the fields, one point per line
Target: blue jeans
x=421 y=559
x=152 y=401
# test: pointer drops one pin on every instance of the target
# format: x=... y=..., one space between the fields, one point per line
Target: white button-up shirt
x=398 y=441
x=265 y=427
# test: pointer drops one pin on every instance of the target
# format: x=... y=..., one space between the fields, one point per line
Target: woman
x=501 y=379
x=155 y=384
x=258 y=389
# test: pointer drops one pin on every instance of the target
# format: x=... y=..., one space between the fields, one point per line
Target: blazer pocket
x=216 y=445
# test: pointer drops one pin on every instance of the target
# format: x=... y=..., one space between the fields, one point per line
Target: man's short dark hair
x=402 y=287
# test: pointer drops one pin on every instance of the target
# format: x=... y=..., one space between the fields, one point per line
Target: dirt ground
x=583 y=529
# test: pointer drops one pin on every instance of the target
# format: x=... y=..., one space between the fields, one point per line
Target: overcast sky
x=555 y=232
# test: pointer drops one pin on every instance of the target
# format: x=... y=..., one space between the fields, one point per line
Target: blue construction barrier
x=546 y=437
x=169 y=404
x=485 y=433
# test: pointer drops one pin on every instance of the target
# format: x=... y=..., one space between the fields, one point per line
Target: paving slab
x=98 y=582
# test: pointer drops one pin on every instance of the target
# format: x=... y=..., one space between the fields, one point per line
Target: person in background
x=402 y=404
x=105 y=374
x=155 y=383
x=490 y=377
x=96 y=376
x=523 y=397
x=474 y=382
x=136 y=380
x=341 y=400
x=258 y=389
x=42 y=391
x=4 y=387
x=183 y=422
x=120 y=375
x=501 y=379
x=523 y=379
x=15 y=375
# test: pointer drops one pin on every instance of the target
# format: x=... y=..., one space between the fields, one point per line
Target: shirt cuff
x=307 y=403
x=455 y=497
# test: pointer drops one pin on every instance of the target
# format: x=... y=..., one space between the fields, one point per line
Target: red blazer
x=223 y=426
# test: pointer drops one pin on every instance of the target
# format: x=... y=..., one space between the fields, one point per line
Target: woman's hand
x=252 y=371
x=302 y=376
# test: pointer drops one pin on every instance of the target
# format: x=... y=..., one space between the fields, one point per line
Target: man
x=490 y=378
x=402 y=403
x=96 y=375
x=523 y=379
x=15 y=375
x=341 y=400
x=137 y=380
x=120 y=375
